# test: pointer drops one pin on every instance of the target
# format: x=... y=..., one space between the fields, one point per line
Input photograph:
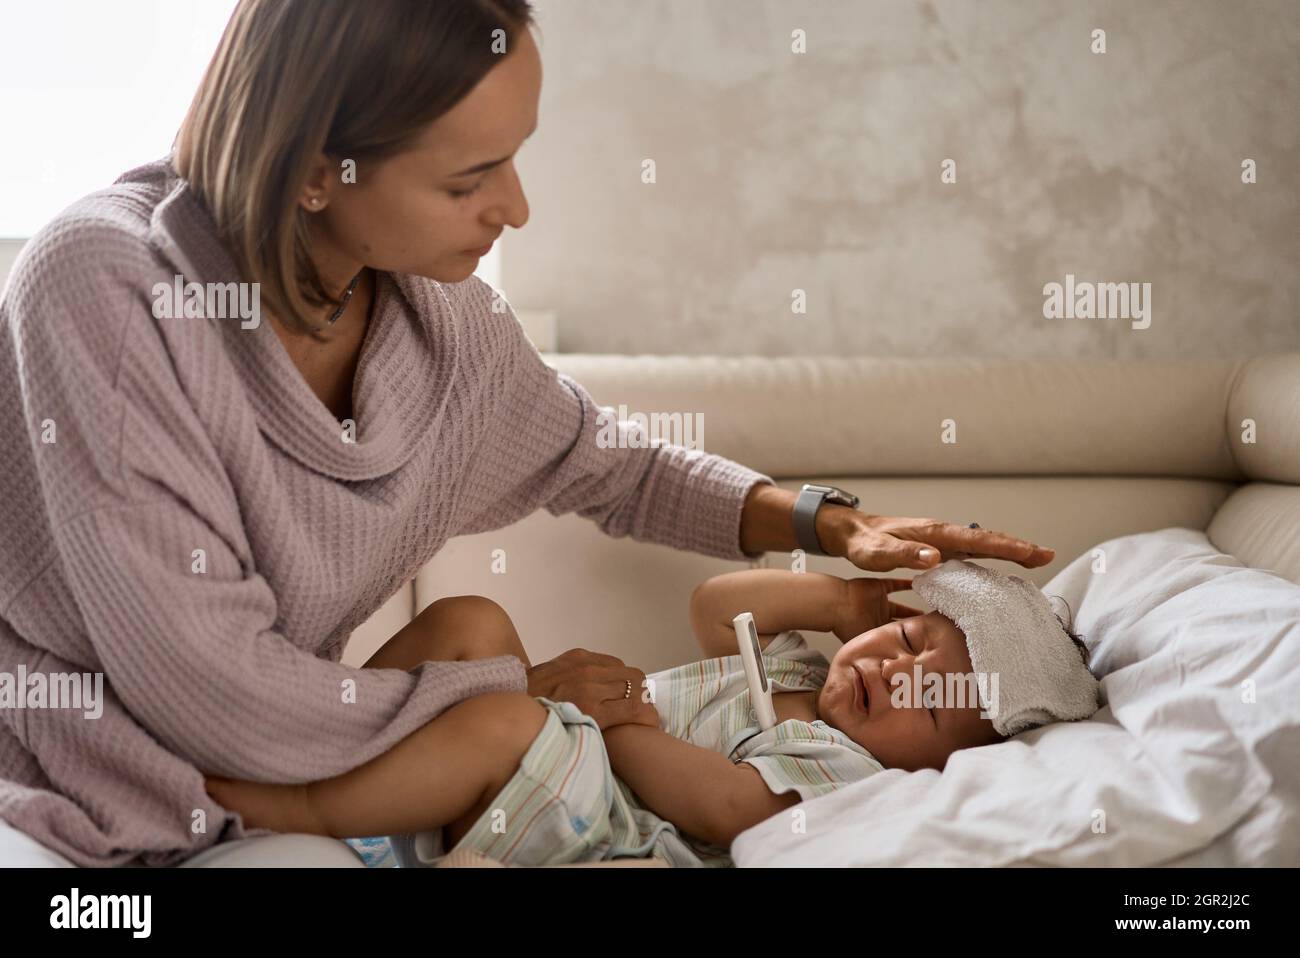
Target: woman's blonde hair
x=292 y=78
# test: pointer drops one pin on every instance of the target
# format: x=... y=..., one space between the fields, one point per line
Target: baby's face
x=907 y=735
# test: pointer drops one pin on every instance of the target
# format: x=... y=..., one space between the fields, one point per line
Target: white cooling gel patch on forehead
x=1015 y=640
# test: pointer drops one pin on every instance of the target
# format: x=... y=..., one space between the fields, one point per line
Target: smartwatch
x=810 y=500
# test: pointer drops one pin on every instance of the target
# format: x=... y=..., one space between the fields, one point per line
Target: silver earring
x=315 y=201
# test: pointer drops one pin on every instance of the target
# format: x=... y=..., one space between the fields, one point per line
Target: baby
x=905 y=690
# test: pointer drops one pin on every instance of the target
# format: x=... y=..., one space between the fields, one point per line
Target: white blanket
x=1193 y=759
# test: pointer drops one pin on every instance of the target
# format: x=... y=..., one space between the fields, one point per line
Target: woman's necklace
x=346 y=297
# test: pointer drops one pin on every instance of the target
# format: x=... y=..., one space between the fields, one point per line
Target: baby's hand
x=867 y=606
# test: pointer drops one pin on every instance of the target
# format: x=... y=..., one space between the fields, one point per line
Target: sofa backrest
x=1233 y=420
x=936 y=417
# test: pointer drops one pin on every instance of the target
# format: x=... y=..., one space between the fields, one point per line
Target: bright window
x=90 y=89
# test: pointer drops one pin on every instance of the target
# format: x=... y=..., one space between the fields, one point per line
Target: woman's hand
x=867 y=606
x=875 y=543
x=882 y=543
x=598 y=685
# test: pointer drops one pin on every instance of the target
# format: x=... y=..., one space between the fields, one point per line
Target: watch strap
x=810 y=500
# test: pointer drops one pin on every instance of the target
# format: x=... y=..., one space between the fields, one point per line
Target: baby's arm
x=779 y=601
x=700 y=791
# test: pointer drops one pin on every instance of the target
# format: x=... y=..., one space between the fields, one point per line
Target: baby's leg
x=456 y=628
x=443 y=773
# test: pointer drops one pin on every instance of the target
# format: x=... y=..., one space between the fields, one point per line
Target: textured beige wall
x=821 y=171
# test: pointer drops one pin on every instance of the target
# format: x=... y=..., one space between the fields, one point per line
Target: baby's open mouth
x=860 y=691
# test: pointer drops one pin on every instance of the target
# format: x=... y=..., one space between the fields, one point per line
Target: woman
x=207 y=492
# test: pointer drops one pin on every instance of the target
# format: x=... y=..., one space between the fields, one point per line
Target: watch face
x=840 y=497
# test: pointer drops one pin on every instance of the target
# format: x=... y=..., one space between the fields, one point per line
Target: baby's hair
x=1076 y=639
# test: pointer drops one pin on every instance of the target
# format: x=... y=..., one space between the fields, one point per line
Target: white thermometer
x=760 y=690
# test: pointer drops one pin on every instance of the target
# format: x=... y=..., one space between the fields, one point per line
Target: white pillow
x=1178 y=767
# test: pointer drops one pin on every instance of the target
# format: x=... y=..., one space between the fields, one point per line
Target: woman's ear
x=319 y=182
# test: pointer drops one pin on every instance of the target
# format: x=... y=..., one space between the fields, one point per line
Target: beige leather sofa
x=1068 y=453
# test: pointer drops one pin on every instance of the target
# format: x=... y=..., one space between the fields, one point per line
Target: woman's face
x=899 y=730
x=420 y=212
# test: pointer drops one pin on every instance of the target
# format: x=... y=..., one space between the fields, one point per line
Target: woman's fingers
x=601 y=686
x=882 y=551
x=923 y=544
x=612 y=694
x=615 y=703
x=895 y=553
x=1037 y=556
x=990 y=544
x=625 y=711
x=572 y=667
x=622 y=689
